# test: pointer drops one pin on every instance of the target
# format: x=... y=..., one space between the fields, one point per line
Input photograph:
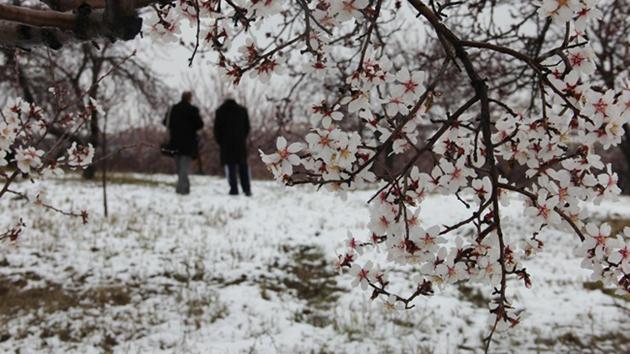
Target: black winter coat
x=184 y=123
x=231 y=127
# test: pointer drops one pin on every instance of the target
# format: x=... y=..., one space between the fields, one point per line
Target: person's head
x=229 y=96
x=228 y=99
x=187 y=96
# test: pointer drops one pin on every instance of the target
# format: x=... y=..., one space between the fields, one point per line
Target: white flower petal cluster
x=28 y=159
x=264 y=7
x=607 y=256
x=25 y=153
x=563 y=11
x=80 y=155
x=282 y=161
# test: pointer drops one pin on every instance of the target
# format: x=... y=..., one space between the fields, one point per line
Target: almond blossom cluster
x=28 y=152
x=556 y=143
x=580 y=12
x=557 y=147
x=226 y=25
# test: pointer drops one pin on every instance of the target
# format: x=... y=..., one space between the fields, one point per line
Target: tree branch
x=26 y=27
x=69 y=5
x=38 y=18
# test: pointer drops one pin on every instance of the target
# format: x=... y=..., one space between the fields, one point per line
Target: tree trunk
x=625 y=150
x=95 y=133
x=104 y=167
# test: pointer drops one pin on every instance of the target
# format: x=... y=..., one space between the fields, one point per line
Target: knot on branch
x=54 y=4
x=25 y=32
x=122 y=19
x=479 y=84
x=82 y=25
x=128 y=27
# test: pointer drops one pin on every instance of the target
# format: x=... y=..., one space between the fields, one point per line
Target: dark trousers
x=232 y=169
x=182 y=164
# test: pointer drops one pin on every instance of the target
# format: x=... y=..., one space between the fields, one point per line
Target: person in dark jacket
x=231 y=127
x=183 y=121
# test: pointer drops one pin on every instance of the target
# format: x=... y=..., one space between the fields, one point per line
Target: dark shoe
x=249 y=194
x=233 y=193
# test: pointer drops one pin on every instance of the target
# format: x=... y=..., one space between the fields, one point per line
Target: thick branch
x=121 y=17
x=38 y=18
x=69 y=5
x=24 y=27
x=481 y=90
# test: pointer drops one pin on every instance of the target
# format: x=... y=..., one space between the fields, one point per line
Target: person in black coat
x=231 y=127
x=183 y=122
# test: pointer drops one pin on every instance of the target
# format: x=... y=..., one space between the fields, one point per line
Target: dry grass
x=309 y=278
x=35 y=301
x=16 y=299
x=569 y=342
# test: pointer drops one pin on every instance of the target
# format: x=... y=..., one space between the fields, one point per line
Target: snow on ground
x=210 y=273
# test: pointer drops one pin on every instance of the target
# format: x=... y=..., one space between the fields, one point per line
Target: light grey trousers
x=182 y=165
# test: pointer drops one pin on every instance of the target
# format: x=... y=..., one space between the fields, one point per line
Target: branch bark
x=481 y=90
x=69 y=5
x=38 y=18
x=113 y=19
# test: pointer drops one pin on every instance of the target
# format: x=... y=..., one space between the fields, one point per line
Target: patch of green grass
x=310 y=278
x=473 y=295
x=314 y=280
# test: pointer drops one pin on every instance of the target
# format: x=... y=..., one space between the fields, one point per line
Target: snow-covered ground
x=209 y=273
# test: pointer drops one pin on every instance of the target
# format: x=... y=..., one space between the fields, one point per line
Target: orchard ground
x=209 y=273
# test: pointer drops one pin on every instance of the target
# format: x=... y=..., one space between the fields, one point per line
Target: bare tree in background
x=133 y=91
